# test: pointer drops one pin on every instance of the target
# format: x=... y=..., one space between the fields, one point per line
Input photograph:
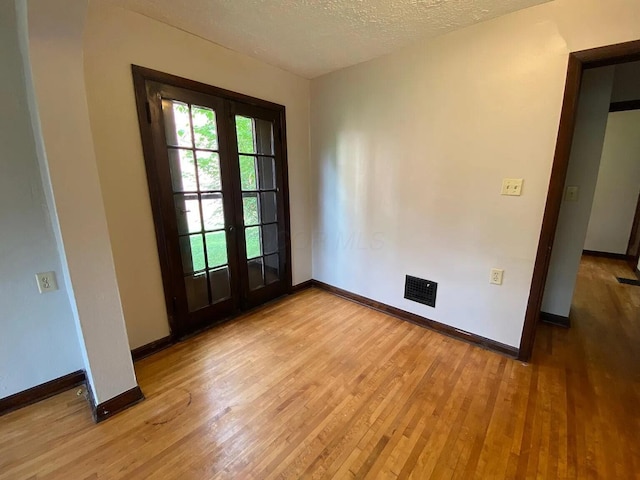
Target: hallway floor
x=315 y=386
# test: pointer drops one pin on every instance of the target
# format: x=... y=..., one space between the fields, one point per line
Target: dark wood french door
x=216 y=170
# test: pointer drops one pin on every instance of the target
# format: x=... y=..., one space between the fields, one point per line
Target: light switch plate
x=512 y=186
x=572 y=194
x=47 y=282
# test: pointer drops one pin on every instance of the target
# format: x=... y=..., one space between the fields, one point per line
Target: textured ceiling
x=313 y=37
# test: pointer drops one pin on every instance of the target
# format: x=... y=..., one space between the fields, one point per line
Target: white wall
x=38 y=339
x=616 y=196
x=55 y=48
x=409 y=151
x=115 y=39
x=586 y=150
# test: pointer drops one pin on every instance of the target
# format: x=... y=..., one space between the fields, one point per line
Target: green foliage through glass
x=245 y=132
x=250 y=207
x=254 y=245
x=204 y=127
x=248 y=172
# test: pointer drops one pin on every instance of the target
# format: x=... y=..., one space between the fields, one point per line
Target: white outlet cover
x=496 y=276
x=47 y=282
x=512 y=187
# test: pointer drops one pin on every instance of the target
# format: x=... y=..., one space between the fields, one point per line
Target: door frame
x=142 y=75
x=633 y=239
x=577 y=63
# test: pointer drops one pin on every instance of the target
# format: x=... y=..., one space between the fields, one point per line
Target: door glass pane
x=177 y=126
x=250 y=209
x=256 y=277
x=245 y=133
x=270 y=238
x=209 y=171
x=267 y=173
x=187 y=213
x=263 y=134
x=254 y=243
x=269 y=207
x=205 y=130
x=192 y=253
x=197 y=252
x=197 y=294
x=219 y=284
x=183 y=170
x=271 y=268
x=212 y=211
x=248 y=172
x=216 y=248
x=258 y=172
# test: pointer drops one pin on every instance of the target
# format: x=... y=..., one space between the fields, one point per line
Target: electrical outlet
x=512 y=187
x=46 y=282
x=496 y=276
x=572 y=194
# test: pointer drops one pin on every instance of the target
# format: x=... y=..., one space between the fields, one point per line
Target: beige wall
x=409 y=151
x=115 y=39
x=55 y=49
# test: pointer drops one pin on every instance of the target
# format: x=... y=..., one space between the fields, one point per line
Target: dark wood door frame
x=633 y=252
x=578 y=62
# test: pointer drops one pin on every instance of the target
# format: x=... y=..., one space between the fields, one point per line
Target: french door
x=216 y=170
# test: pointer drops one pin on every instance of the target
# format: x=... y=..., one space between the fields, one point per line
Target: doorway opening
x=633 y=248
x=614 y=225
x=217 y=175
x=578 y=63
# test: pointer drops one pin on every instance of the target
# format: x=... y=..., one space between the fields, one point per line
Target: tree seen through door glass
x=245 y=133
x=177 y=124
x=209 y=171
x=253 y=242
x=205 y=131
x=202 y=182
x=250 y=207
x=248 y=172
x=183 y=170
x=246 y=144
x=206 y=180
x=212 y=211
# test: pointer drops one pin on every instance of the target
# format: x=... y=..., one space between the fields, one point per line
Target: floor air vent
x=421 y=291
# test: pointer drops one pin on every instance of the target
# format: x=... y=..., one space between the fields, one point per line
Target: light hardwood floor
x=315 y=386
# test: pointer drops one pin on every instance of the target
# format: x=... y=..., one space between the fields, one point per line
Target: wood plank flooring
x=315 y=386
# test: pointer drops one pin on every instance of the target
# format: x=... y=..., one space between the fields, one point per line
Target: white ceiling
x=314 y=37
